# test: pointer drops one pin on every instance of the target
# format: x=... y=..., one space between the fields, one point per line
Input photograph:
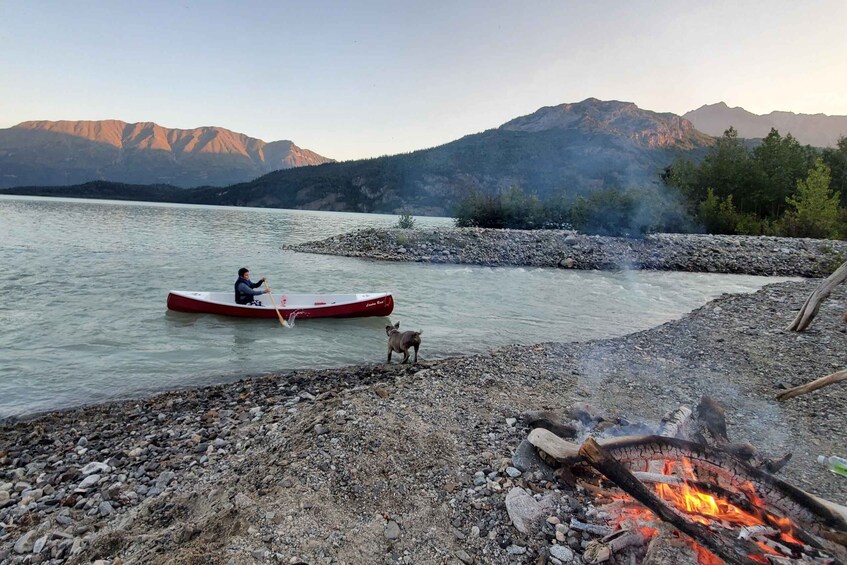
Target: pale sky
x=368 y=78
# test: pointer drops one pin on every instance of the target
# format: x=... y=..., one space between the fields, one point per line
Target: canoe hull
x=373 y=305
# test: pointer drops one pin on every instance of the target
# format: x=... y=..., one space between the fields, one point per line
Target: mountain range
x=818 y=130
x=48 y=153
x=568 y=149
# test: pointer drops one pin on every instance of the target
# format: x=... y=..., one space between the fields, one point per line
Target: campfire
x=686 y=481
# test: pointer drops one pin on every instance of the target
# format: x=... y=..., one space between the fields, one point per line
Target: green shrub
x=750 y=224
x=814 y=211
x=406 y=221
x=718 y=215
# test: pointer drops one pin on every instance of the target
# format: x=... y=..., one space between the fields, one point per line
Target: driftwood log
x=810 y=309
x=605 y=463
x=813 y=385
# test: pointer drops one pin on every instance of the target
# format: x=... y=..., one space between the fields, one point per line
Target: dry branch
x=810 y=309
x=814 y=385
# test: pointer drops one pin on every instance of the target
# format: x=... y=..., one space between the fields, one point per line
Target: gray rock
x=561 y=552
x=105 y=509
x=89 y=482
x=464 y=557
x=513 y=472
x=95 y=467
x=39 y=544
x=516 y=550
x=25 y=543
x=243 y=501
x=392 y=530
x=524 y=511
x=526 y=459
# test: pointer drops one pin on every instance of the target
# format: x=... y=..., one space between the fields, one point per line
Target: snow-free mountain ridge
x=69 y=152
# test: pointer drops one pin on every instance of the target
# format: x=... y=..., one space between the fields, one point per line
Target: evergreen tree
x=836 y=159
x=777 y=164
x=814 y=211
x=726 y=169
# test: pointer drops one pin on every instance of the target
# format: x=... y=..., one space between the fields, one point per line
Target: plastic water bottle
x=835 y=464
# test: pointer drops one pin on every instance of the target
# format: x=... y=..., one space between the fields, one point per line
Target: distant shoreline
x=749 y=255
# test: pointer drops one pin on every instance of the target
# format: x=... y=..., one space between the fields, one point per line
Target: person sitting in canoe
x=245 y=292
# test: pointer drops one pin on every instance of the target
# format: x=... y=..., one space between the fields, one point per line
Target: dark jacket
x=244 y=292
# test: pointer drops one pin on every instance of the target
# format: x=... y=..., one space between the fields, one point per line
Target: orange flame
x=708 y=509
x=703 y=506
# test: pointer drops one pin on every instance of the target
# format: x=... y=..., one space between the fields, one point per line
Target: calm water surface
x=84 y=285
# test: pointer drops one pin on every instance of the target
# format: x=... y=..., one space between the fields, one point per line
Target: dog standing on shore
x=401 y=342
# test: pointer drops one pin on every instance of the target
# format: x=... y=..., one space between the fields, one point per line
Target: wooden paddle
x=281 y=319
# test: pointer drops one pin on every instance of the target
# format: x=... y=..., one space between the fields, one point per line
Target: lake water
x=84 y=285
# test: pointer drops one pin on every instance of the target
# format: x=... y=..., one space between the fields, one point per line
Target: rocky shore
x=769 y=256
x=407 y=464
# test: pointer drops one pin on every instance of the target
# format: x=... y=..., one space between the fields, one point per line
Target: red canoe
x=304 y=305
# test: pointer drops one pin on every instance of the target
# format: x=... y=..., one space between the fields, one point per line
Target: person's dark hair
x=243 y=270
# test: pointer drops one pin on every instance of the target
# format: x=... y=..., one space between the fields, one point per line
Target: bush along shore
x=403 y=464
x=769 y=256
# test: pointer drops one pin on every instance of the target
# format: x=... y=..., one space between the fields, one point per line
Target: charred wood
x=710 y=423
x=590 y=528
x=675 y=422
x=601 y=550
x=549 y=421
x=585 y=414
x=776 y=465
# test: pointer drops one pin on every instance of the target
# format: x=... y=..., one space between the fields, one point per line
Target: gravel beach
x=768 y=256
x=404 y=464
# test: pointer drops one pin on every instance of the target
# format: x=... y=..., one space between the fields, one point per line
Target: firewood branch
x=813 y=385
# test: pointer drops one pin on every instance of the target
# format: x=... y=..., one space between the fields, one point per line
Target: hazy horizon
x=375 y=78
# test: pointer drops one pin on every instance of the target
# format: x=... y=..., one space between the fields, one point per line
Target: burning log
x=810 y=309
x=813 y=385
x=657 y=478
x=808 y=511
x=605 y=463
